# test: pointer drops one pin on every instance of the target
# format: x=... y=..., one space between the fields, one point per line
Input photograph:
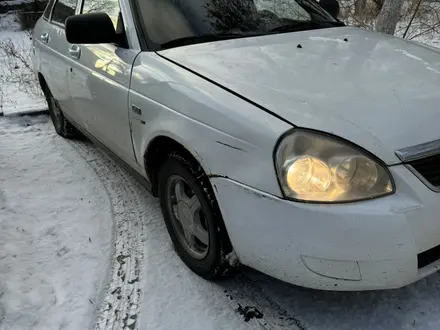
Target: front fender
x=227 y=135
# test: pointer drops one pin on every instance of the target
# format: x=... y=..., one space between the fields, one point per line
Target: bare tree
x=389 y=16
x=100 y=6
x=225 y=14
x=16 y=62
x=359 y=7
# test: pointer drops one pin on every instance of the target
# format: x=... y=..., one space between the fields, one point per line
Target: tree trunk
x=389 y=16
x=359 y=7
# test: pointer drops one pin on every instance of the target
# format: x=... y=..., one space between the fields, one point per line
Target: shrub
x=29 y=13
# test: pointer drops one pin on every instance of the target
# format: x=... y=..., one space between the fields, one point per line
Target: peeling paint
x=406 y=209
x=255 y=193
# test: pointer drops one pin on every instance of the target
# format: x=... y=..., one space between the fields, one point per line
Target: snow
x=55 y=230
x=8 y=23
x=19 y=90
x=326 y=39
x=426 y=64
x=174 y=298
x=404 y=52
x=413 y=307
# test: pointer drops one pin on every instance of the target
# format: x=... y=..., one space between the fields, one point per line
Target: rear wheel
x=60 y=123
x=192 y=217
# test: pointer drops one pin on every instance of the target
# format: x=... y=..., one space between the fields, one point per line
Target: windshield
x=169 y=20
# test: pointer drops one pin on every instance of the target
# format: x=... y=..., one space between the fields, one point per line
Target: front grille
x=428 y=257
x=429 y=169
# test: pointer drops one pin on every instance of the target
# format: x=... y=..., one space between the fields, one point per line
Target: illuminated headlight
x=315 y=167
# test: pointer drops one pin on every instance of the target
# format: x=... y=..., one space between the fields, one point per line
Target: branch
x=426 y=31
x=412 y=18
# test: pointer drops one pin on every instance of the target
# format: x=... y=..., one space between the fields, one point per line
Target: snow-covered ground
x=18 y=88
x=55 y=230
x=84 y=246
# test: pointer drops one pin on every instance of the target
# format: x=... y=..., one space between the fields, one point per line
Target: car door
x=40 y=40
x=100 y=81
x=54 y=51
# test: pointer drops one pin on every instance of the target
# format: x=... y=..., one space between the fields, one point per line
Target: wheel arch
x=155 y=156
x=157 y=152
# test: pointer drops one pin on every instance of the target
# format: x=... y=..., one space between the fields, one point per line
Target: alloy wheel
x=188 y=219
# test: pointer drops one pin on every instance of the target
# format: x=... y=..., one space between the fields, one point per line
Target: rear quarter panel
x=227 y=135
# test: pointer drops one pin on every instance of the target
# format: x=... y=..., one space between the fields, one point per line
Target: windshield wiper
x=203 y=38
x=306 y=25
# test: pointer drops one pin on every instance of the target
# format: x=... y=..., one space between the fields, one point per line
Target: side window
x=47 y=10
x=110 y=7
x=63 y=9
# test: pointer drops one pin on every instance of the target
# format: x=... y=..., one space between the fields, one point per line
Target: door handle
x=75 y=52
x=44 y=38
x=136 y=110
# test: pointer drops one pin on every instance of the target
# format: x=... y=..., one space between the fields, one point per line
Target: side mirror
x=94 y=28
x=331 y=6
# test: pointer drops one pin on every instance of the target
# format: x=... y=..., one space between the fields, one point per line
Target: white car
x=273 y=134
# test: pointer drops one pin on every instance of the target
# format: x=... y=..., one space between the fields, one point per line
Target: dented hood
x=380 y=92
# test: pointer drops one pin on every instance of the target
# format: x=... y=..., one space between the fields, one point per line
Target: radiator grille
x=429 y=169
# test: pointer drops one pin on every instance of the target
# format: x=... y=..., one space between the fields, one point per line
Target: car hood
x=380 y=92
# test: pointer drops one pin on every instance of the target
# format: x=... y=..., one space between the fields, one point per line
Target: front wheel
x=192 y=217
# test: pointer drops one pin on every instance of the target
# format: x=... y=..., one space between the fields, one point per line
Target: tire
x=210 y=263
x=60 y=123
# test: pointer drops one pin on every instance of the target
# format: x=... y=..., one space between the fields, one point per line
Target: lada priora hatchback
x=274 y=135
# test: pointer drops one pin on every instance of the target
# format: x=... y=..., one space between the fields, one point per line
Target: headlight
x=316 y=167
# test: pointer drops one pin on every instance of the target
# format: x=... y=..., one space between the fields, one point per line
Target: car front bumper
x=369 y=245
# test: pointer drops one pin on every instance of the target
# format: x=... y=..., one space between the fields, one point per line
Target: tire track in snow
x=121 y=302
